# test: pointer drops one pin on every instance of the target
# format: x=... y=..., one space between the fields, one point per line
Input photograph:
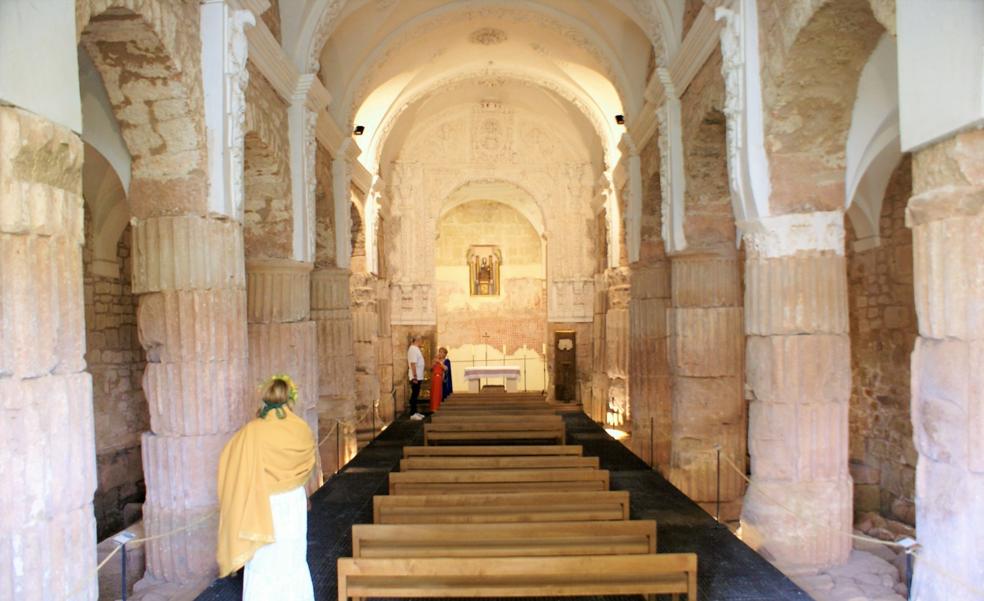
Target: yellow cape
x=267 y=456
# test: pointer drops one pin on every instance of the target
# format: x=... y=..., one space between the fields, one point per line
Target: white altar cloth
x=509 y=372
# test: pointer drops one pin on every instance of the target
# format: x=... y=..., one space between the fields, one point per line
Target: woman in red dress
x=437 y=380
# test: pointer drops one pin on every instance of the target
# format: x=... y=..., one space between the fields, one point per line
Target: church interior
x=743 y=238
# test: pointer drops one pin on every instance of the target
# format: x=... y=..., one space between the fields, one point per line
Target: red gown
x=437 y=384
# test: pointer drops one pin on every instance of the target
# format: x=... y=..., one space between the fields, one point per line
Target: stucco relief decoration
x=487 y=36
x=571 y=300
x=236 y=80
x=310 y=177
x=491 y=133
x=732 y=65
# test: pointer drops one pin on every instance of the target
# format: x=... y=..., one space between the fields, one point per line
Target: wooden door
x=565 y=365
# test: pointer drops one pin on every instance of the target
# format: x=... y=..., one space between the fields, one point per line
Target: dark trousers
x=414 y=393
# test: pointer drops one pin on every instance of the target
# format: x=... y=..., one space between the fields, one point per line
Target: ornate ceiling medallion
x=487 y=36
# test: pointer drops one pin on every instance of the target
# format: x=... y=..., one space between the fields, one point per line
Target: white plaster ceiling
x=579 y=61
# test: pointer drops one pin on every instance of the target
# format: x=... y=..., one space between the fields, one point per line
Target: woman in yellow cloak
x=263 y=505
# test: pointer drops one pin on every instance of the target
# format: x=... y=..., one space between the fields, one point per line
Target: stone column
x=598 y=404
x=706 y=348
x=282 y=337
x=191 y=319
x=365 y=322
x=384 y=351
x=799 y=382
x=332 y=314
x=946 y=214
x=47 y=448
x=617 y=346
x=649 y=381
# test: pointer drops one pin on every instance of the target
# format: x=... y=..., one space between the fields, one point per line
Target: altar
x=474 y=375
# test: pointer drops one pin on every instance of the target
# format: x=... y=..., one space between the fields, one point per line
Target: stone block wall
x=883 y=332
x=116 y=362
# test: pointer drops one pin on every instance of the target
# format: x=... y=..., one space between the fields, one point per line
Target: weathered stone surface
x=193 y=325
x=197 y=398
x=285 y=348
x=705 y=281
x=185 y=253
x=181 y=470
x=706 y=342
x=187 y=555
x=278 y=291
x=47 y=528
x=796 y=295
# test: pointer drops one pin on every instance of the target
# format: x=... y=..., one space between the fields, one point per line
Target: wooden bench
x=498 y=463
x=492 y=450
x=501 y=507
x=476 y=430
x=504 y=481
x=484 y=410
x=497 y=417
x=596 y=575
x=504 y=540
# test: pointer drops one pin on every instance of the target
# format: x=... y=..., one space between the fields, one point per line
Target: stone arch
x=520 y=199
x=809 y=97
x=147 y=54
x=106 y=201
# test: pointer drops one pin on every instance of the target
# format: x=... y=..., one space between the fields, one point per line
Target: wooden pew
x=498 y=463
x=501 y=508
x=595 y=575
x=476 y=430
x=485 y=410
x=504 y=481
x=492 y=450
x=504 y=540
x=497 y=417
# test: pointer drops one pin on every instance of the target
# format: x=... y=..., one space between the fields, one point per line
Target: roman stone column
x=365 y=323
x=799 y=505
x=946 y=214
x=332 y=314
x=617 y=346
x=598 y=405
x=189 y=273
x=649 y=381
x=282 y=337
x=706 y=350
x=47 y=448
x=384 y=352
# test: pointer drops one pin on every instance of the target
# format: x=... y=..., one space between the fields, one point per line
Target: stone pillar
x=617 y=347
x=706 y=347
x=799 y=382
x=946 y=214
x=649 y=381
x=384 y=352
x=282 y=337
x=332 y=314
x=191 y=320
x=598 y=404
x=365 y=322
x=47 y=449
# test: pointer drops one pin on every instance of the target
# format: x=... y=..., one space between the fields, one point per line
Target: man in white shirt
x=415 y=361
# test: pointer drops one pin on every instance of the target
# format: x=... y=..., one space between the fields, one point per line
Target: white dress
x=279 y=571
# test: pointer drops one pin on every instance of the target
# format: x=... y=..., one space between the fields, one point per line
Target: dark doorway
x=565 y=366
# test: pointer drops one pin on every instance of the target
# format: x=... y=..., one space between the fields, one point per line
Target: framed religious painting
x=484 y=263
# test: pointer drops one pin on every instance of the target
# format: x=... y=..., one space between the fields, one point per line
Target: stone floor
x=728 y=569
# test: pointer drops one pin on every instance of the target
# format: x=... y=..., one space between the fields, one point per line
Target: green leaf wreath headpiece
x=278 y=407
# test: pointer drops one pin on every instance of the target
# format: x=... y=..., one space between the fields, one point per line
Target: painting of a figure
x=483 y=270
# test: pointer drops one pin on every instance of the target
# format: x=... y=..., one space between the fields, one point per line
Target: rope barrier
x=80 y=587
x=908 y=546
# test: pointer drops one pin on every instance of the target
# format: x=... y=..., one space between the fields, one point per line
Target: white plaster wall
x=941 y=68
x=33 y=31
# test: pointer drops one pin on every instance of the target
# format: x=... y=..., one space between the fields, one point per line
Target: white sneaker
x=417 y=416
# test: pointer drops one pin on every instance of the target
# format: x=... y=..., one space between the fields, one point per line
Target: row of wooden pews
x=484 y=509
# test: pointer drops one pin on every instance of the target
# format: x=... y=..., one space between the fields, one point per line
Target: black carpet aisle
x=728 y=570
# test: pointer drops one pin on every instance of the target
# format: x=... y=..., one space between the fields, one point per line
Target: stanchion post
x=123 y=571
x=338 y=446
x=908 y=575
x=717 y=494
